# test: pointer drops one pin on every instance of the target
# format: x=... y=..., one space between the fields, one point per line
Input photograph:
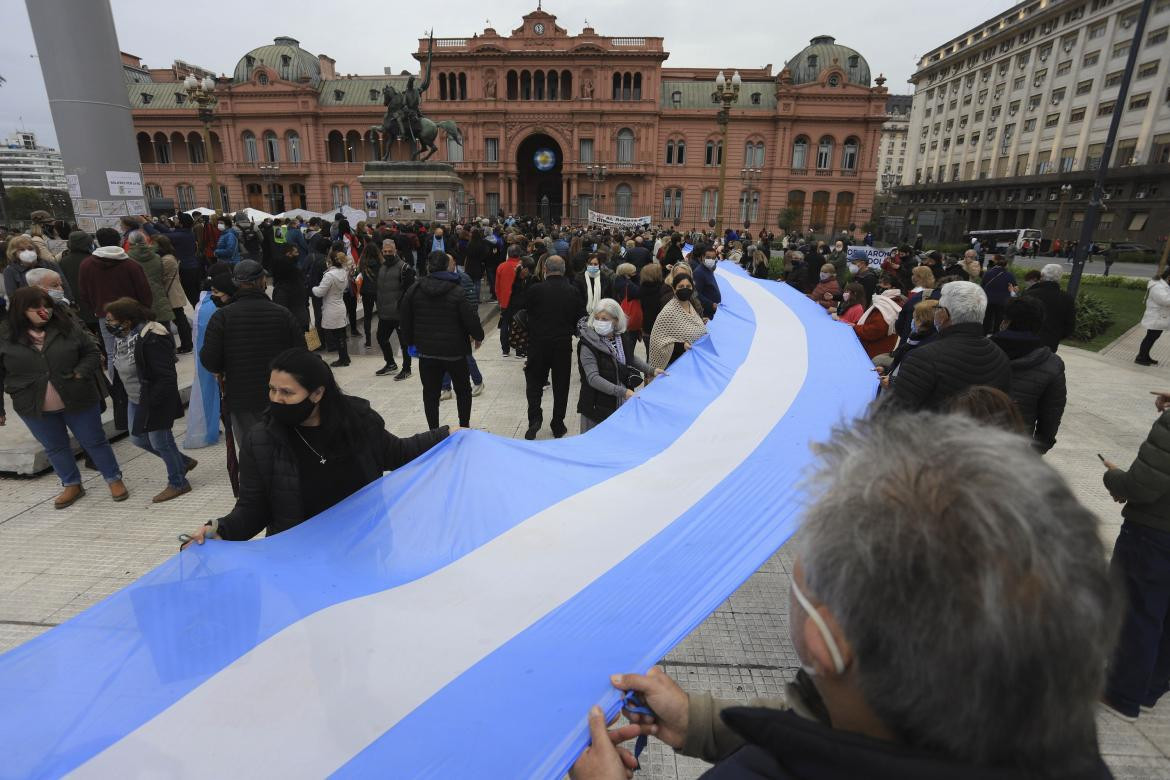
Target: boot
x=171 y=492
x=70 y=494
x=118 y=490
x=189 y=463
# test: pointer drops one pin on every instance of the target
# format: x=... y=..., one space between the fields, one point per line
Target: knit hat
x=247 y=271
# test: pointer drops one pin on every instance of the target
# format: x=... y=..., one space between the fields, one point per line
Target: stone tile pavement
x=54 y=564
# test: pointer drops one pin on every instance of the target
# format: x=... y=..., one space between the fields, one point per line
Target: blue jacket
x=294 y=237
x=997 y=283
x=228 y=247
x=183 y=241
x=707 y=288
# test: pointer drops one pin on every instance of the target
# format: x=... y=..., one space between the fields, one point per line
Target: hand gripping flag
x=404 y=631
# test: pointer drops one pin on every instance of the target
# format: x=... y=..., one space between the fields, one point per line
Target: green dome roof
x=285 y=56
x=822 y=52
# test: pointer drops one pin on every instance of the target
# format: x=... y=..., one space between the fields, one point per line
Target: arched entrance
x=539 y=162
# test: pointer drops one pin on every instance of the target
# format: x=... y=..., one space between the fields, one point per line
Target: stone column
x=91 y=114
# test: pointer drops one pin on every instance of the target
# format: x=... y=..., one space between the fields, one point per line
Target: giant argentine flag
x=408 y=631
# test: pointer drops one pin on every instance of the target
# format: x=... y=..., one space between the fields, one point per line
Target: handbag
x=633 y=310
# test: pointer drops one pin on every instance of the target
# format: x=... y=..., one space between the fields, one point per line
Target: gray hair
x=964 y=301
x=985 y=590
x=35 y=276
x=614 y=310
x=1051 y=272
x=137 y=237
x=554 y=265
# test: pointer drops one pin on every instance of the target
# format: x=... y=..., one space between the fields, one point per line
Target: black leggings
x=184 y=328
x=1147 y=344
x=431 y=372
x=338 y=341
x=367 y=312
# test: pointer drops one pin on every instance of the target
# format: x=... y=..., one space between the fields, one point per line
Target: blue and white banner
x=403 y=632
x=203 y=406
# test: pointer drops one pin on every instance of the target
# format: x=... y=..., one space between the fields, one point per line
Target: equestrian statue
x=404 y=119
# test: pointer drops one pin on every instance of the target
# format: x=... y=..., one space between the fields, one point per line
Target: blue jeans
x=52 y=431
x=1139 y=673
x=161 y=443
x=476 y=377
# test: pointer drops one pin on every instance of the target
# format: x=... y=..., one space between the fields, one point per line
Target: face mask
x=28 y=256
x=58 y=296
x=846 y=296
x=830 y=642
x=825 y=277
x=603 y=327
x=220 y=227
x=118 y=330
x=45 y=315
x=593 y=270
x=684 y=293
x=709 y=262
x=219 y=304
x=292 y=414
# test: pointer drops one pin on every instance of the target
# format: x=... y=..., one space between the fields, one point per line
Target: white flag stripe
x=308 y=699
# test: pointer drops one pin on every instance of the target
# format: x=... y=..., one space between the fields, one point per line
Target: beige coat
x=171 y=282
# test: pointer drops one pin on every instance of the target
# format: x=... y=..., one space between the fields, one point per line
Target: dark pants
x=491 y=278
x=184 y=328
x=317 y=319
x=192 y=280
x=993 y=318
x=472 y=368
x=351 y=311
x=1140 y=670
x=367 y=315
x=431 y=372
x=1148 y=344
x=505 y=330
x=543 y=357
x=338 y=342
x=386 y=329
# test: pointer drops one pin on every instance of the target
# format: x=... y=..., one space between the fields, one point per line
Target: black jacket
x=158 y=400
x=639 y=256
x=242 y=339
x=1038 y=385
x=70 y=359
x=1060 y=313
x=477 y=258
x=957 y=359
x=554 y=309
x=437 y=319
x=596 y=405
x=784 y=746
x=1145 y=485
x=270 y=484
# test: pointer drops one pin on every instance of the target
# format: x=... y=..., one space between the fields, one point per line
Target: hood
x=1025 y=350
x=438 y=284
x=79 y=241
x=110 y=255
x=157 y=328
x=589 y=335
x=143 y=253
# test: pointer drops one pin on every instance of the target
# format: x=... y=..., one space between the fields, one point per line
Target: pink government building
x=612 y=128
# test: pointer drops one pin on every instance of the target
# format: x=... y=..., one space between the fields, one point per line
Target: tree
x=789 y=219
x=23 y=201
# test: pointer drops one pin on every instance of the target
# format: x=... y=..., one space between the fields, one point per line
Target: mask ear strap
x=838 y=661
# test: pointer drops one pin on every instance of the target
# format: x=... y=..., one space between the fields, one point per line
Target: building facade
x=893 y=144
x=553 y=125
x=25 y=164
x=1009 y=122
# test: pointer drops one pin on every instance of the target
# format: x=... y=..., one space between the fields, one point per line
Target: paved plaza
x=54 y=564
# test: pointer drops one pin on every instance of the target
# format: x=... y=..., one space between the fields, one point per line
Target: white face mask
x=709 y=262
x=594 y=270
x=846 y=296
x=825 y=277
x=603 y=327
x=28 y=256
x=58 y=296
x=830 y=642
x=221 y=227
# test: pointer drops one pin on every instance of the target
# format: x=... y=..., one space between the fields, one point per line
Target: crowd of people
x=102 y=319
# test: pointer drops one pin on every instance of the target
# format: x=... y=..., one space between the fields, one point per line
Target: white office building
x=894 y=142
x=25 y=164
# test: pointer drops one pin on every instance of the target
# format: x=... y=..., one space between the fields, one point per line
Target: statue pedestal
x=408 y=191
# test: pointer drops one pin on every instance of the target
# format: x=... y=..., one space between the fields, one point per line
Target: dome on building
x=285 y=56
x=822 y=52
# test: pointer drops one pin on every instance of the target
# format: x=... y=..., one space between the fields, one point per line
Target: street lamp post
x=270 y=174
x=726 y=93
x=596 y=175
x=748 y=176
x=202 y=94
x=1065 y=189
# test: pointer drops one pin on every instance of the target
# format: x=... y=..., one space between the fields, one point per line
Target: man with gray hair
x=960 y=630
x=1060 y=311
x=554 y=308
x=959 y=357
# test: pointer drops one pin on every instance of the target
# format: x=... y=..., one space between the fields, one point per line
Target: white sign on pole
x=73 y=184
x=124 y=183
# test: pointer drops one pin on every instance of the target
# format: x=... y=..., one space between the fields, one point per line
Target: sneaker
x=445 y=395
x=520 y=356
x=367 y=342
x=189 y=464
x=505 y=353
x=389 y=368
x=1112 y=709
x=403 y=374
x=118 y=490
x=183 y=350
x=70 y=494
x=1145 y=361
x=171 y=492
x=533 y=429
x=339 y=363
x=477 y=389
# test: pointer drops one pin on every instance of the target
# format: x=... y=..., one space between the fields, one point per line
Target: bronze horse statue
x=396 y=125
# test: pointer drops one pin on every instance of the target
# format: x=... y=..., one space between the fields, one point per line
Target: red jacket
x=109 y=274
x=505 y=276
x=875 y=336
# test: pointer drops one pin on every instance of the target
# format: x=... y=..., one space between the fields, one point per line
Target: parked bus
x=998 y=240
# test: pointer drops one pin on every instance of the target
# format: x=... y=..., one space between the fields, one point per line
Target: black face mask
x=219 y=302
x=684 y=293
x=292 y=414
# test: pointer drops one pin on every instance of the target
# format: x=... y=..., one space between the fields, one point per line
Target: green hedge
x=1094 y=317
x=1136 y=257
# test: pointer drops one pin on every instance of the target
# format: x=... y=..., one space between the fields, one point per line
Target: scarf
x=676 y=322
x=886 y=306
x=592 y=292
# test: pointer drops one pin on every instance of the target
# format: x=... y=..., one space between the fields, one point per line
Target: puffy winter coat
x=437 y=318
x=1157 y=316
x=394 y=279
x=957 y=359
x=242 y=339
x=1060 y=313
x=270 y=484
x=152 y=266
x=331 y=291
x=70 y=359
x=830 y=288
x=1145 y=486
x=1038 y=384
x=158 y=382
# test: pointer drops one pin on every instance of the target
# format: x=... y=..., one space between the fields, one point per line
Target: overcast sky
x=364 y=36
